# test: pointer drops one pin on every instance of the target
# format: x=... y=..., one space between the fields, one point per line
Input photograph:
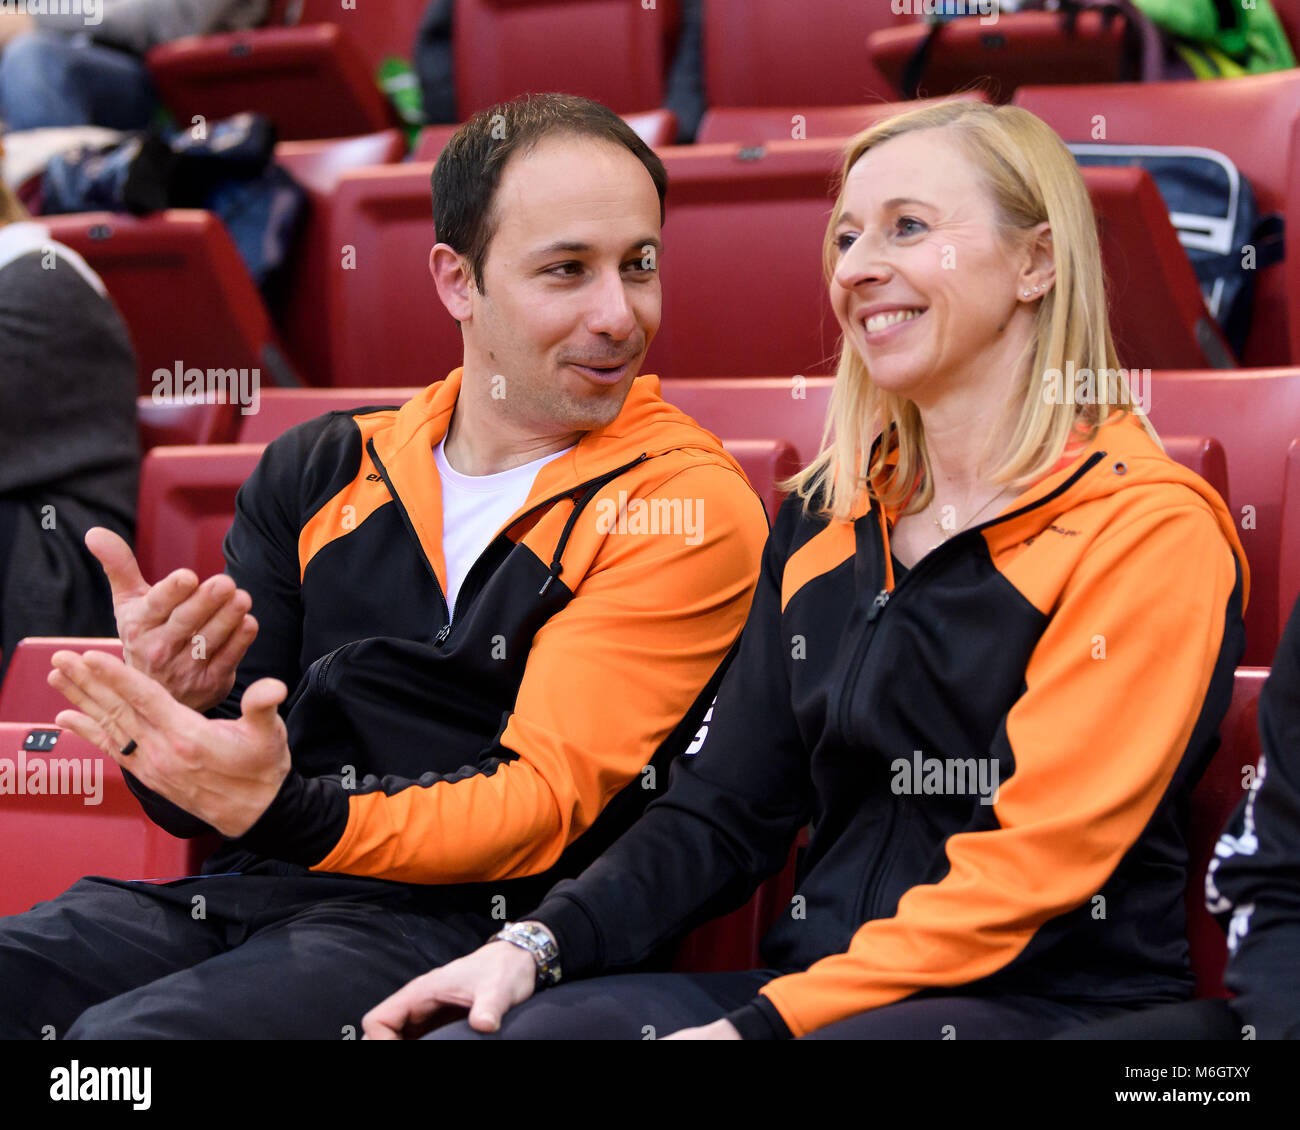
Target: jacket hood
x=646 y=425
x=1121 y=456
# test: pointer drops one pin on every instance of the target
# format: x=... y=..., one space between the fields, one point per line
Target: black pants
x=645 y=1006
x=1188 y=1020
x=256 y=956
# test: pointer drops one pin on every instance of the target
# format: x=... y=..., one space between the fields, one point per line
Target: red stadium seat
x=615 y=52
x=281 y=409
x=432 y=141
x=314 y=80
x=754 y=125
x=91 y=826
x=1213 y=801
x=170 y=422
x=1203 y=455
x=742 y=269
x=723 y=194
x=317 y=166
x=1019 y=49
x=656 y=128
x=387 y=325
x=786 y=52
x=765 y=463
x=788 y=408
x=1288 y=585
x=1157 y=314
x=1253 y=414
x=187 y=502
x=183 y=291
x=25 y=693
x=1249 y=119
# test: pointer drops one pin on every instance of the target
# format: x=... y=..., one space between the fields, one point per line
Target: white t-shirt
x=474 y=508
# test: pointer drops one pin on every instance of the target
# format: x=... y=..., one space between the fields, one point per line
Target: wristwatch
x=537 y=940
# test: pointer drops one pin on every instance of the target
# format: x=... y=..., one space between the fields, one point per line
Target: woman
x=71 y=456
x=986 y=658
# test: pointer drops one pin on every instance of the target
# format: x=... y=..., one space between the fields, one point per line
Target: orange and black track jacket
x=587 y=641
x=994 y=750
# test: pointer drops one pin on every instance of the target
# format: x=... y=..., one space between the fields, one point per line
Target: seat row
x=1238 y=430
x=743 y=286
x=316 y=78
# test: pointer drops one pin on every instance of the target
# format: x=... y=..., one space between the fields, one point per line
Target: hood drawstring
x=592 y=490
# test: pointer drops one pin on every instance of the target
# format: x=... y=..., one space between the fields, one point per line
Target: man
x=493 y=646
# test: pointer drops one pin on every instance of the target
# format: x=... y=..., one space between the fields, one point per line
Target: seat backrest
x=317 y=166
x=765 y=463
x=82 y=821
x=1203 y=455
x=1157 y=315
x=281 y=409
x=386 y=322
x=310 y=81
x=1288 y=585
x=786 y=52
x=1249 y=119
x=1212 y=802
x=754 y=215
x=753 y=125
x=169 y=421
x=609 y=50
x=1253 y=414
x=1020 y=48
x=183 y=291
x=187 y=502
x=377 y=30
x=26 y=694
x=786 y=408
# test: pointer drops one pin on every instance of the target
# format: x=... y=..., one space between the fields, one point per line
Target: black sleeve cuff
x=303 y=823
x=759 y=1020
x=575 y=936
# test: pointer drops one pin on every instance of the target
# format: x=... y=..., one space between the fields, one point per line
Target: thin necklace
x=948 y=535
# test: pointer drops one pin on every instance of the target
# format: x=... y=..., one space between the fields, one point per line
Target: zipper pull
x=878 y=605
x=442 y=635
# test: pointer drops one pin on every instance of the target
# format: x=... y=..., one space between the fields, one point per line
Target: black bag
x=1212 y=207
x=227 y=170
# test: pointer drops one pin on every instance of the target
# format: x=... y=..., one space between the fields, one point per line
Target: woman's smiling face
x=923 y=288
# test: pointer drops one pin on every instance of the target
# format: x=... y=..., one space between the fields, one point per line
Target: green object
x=1257 y=44
x=402 y=89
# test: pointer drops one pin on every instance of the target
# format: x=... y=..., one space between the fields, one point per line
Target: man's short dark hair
x=469 y=169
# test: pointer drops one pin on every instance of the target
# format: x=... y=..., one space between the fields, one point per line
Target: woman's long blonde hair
x=1032 y=178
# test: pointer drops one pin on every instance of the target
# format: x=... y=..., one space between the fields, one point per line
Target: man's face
x=571 y=295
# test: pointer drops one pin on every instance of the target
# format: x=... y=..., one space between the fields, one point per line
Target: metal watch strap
x=537 y=940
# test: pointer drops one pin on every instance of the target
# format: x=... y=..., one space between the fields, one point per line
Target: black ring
x=128 y=749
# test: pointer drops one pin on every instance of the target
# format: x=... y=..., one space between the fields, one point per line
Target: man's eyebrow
x=891 y=203
x=577 y=247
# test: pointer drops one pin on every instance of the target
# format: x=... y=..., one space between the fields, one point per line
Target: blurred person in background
x=82 y=64
x=69 y=449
